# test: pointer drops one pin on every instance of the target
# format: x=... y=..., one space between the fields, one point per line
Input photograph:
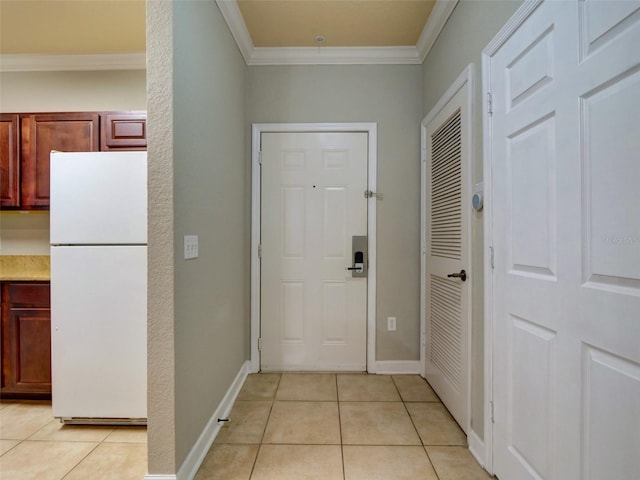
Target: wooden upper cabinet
x=41 y=133
x=123 y=131
x=9 y=160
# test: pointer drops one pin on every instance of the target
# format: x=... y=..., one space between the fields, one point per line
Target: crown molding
x=232 y=15
x=334 y=56
x=410 y=55
x=436 y=21
x=49 y=63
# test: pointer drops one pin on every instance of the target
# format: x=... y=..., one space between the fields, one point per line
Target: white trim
x=491 y=49
x=476 y=447
x=48 y=63
x=436 y=21
x=149 y=476
x=510 y=27
x=257 y=129
x=487 y=212
x=466 y=77
x=406 y=55
x=334 y=56
x=398 y=367
x=423 y=248
x=232 y=15
x=196 y=455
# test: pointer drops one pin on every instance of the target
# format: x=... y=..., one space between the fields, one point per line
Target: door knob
x=462 y=275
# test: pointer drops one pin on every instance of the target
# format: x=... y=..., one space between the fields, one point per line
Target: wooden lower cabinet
x=26 y=340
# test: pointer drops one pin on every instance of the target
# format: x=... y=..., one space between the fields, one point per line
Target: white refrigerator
x=98 y=225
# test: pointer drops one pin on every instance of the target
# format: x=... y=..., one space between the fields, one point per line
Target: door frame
x=488 y=52
x=256 y=205
x=466 y=81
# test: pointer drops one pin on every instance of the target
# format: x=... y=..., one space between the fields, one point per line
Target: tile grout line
x=344 y=473
x=80 y=461
x=264 y=431
x=424 y=447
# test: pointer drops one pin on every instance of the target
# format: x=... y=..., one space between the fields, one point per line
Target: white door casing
x=313 y=311
x=446 y=247
x=564 y=298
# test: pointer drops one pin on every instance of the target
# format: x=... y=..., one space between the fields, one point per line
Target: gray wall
x=471 y=26
x=391 y=97
x=197 y=186
x=73 y=91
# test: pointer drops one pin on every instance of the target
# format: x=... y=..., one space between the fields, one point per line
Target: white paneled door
x=566 y=231
x=313 y=311
x=447 y=241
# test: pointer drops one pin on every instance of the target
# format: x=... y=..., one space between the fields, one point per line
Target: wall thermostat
x=476 y=200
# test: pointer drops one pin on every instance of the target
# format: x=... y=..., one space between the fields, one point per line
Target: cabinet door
x=9 y=160
x=65 y=132
x=26 y=340
x=123 y=131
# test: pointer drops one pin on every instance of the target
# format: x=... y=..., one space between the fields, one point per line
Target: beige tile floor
x=342 y=427
x=34 y=445
x=283 y=426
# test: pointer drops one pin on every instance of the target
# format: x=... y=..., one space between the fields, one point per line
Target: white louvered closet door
x=446 y=242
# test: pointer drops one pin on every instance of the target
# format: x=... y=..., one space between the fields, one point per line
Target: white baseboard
x=476 y=447
x=149 y=476
x=390 y=367
x=194 y=459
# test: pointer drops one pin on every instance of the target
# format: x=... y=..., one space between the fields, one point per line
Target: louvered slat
x=446 y=189
x=446 y=328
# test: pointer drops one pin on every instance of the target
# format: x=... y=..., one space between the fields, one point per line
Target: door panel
x=313 y=312
x=447 y=248
x=566 y=237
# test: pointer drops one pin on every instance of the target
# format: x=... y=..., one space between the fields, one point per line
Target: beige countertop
x=25 y=267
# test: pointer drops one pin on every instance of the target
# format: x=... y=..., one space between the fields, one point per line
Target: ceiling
x=68 y=27
x=267 y=31
x=341 y=23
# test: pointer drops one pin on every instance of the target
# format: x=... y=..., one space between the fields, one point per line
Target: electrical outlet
x=391 y=324
x=190 y=246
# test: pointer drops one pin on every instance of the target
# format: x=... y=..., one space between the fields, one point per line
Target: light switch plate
x=190 y=246
x=391 y=324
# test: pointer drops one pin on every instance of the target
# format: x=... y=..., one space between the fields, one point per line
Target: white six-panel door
x=566 y=231
x=313 y=312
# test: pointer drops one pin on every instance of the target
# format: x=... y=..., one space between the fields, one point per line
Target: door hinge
x=493 y=420
x=491 y=256
x=260 y=251
x=490 y=103
x=260 y=157
x=260 y=344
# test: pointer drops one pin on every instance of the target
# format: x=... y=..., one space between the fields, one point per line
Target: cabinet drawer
x=29 y=295
x=123 y=131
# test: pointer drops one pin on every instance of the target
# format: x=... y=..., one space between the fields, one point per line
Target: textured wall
x=391 y=97
x=471 y=26
x=161 y=304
